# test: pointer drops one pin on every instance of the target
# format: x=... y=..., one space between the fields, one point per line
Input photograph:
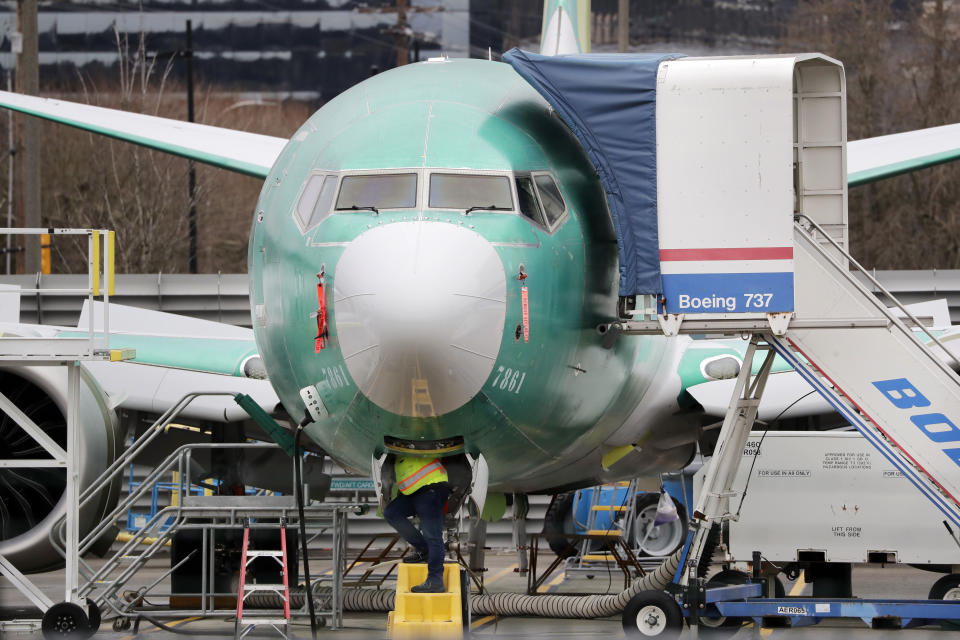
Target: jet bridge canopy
x=609 y=102
x=705 y=162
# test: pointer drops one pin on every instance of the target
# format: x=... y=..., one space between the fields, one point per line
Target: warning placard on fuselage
x=725 y=185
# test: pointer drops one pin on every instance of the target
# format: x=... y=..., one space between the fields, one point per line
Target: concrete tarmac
x=869 y=581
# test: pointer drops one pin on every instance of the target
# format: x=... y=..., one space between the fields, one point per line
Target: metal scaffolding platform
x=70 y=354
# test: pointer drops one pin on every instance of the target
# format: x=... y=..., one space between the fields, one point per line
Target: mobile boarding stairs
x=875 y=369
x=751 y=232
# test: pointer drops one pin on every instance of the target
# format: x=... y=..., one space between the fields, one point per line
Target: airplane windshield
x=550 y=196
x=470 y=192
x=381 y=191
x=314 y=203
x=529 y=206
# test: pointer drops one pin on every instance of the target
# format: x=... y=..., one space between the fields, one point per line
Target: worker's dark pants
x=427 y=504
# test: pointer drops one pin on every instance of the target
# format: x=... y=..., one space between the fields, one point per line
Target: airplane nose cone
x=419 y=310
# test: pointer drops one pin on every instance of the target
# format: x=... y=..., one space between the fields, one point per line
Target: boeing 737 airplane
x=429 y=258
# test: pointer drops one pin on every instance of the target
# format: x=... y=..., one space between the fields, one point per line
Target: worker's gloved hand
x=432 y=585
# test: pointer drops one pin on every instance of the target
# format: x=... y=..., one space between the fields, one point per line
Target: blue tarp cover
x=609 y=102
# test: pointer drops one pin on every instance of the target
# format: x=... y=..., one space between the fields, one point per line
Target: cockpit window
x=324 y=202
x=470 y=192
x=529 y=205
x=309 y=199
x=553 y=205
x=381 y=191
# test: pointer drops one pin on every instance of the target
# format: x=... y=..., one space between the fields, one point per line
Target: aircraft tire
x=558 y=524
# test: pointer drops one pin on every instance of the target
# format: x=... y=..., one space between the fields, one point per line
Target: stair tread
x=613 y=533
x=246 y=620
x=264 y=587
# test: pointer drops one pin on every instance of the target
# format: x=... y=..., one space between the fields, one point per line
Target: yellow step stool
x=426 y=615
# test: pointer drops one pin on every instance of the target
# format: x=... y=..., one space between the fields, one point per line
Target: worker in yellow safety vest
x=423 y=491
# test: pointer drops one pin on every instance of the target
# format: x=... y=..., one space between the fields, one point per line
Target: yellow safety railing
x=101 y=262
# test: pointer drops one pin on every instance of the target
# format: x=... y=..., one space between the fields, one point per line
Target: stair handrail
x=874 y=282
x=145 y=438
x=57 y=533
x=120 y=463
x=98 y=577
x=178 y=457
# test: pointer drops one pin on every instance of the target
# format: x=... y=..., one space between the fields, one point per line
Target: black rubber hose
x=298 y=491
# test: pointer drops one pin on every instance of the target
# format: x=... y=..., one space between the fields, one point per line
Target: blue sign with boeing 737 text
x=727 y=279
x=727 y=292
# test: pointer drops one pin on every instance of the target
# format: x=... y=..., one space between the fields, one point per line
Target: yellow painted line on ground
x=795 y=590
x=481 y=622
x=798 y=586
x=485 y=620
x=501 y=573
x=550 y=585
x=183 y=621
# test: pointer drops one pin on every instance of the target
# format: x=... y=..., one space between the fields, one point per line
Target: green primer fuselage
x=477 y=115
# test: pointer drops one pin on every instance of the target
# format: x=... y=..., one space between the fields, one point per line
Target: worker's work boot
x=432 y=585
x=415 y=557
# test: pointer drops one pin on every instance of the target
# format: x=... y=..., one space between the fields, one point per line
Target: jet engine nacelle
x=32 y=499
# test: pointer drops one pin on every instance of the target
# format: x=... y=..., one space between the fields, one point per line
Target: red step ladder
x=247 y=623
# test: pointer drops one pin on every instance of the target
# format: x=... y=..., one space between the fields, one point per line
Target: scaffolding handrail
x=184 y=516
x=180 y=515
x=874 y=282
x=98 y=263
x=145 y=438
x=180 y=456
x=119 y=466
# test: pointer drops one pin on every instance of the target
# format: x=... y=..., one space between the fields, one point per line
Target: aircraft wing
x=175 y=355
x=249 y=153
x=708 y=370
x=882 y=157
x=786 y=395
x=253 y=154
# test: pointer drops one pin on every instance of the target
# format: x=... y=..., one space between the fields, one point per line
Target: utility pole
x=192 y=187
x=403 y=54
x=623 y=26
x=28 y=131
x=11 y=152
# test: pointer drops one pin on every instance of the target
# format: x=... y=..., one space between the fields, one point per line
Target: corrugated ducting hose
x=501 y=604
